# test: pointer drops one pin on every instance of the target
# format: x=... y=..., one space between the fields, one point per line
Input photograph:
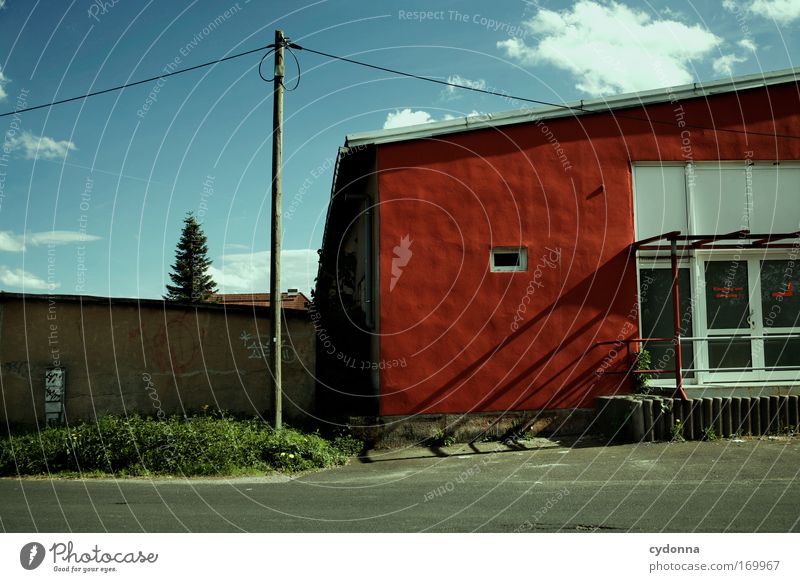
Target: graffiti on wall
x=258 y=347
x=18 y=368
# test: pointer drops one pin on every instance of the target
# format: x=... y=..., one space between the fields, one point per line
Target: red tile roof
x=291 y=299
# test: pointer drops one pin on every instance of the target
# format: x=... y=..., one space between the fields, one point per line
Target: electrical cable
x=297 y=63
x=261 y=63
x=429 y=79
x=290 y=45
x=133 y=84
x=286 y=44
x=580 y=109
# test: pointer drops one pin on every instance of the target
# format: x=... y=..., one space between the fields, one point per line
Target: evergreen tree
x=191 y=281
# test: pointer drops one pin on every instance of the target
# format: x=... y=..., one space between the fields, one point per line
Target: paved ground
x=534 y=486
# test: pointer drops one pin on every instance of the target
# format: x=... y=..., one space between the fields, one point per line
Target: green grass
x=215 y=445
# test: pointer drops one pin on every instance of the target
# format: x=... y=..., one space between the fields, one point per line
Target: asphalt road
x=750 y=486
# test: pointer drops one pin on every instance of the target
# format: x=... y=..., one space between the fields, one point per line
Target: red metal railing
x=690 y=243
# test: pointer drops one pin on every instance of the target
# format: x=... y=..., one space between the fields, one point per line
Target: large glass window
x=776 y=198
x=728 y=312
x=780 y=297
x=780 y=311
x=655 y=293
x=720 y=199
x=716 y=198
x=727 y=295
x=660 y=200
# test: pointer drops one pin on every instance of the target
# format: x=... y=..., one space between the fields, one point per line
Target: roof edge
x=6 y=296
x=575 y=108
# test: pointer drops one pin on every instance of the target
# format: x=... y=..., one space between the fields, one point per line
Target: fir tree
x=191 y=281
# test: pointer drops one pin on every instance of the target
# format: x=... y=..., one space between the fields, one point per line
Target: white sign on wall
x=54 y=388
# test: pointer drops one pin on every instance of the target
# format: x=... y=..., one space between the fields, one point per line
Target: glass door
x=730 y=319
x=751 y=317
x=780 y=317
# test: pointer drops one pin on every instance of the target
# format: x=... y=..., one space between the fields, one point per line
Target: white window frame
x=521 y=252
x=652 y=164
x=755 y=377
x=695 y=260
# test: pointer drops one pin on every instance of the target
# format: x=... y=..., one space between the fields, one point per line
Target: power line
x=580 y=109
x=431 y=79
x=133 y=84
x=271 y=79
x=291 y=45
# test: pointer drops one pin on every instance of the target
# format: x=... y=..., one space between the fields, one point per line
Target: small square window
x=509 y=259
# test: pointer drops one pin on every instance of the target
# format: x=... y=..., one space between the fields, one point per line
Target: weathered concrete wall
x=388 y=432
x=639 y=418
x=123 y=356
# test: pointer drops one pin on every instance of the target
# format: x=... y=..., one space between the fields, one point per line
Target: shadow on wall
x=574 y=383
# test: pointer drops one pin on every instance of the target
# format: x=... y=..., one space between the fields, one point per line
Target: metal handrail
x=629 y=341
x=699 y=338
x=694 y=242
x=709 y=370
x=748 y=369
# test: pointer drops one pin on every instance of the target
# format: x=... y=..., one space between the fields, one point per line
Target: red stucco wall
x=451 y=321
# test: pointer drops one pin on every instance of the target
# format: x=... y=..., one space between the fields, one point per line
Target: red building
x=291 y=299
x=478 y=265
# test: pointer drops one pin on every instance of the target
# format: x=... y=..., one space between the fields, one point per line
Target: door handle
x=750 y=321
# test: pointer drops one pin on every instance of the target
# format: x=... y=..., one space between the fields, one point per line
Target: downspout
x=369 y=296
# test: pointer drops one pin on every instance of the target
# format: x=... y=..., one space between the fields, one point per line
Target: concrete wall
x=124 y=356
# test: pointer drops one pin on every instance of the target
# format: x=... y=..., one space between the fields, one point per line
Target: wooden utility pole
x=275 y=249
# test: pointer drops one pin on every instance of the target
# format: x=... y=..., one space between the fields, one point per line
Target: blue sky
x=92 y=193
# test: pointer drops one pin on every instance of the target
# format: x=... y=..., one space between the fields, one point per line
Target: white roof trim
x=591 y=106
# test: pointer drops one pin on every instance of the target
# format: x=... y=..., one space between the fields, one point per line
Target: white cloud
x=22 y=279
x=455 y=93
x=407 y=117
x=724 y=64
x=3 y=81
x=612 y=48
x=9 y=241
x=249 y=272
x=781 y=11
x=448 y=116
x=34 y=146
x=667 y=11
x=747 y=44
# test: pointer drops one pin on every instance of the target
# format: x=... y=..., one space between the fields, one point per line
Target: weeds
x=676 y=432
x=199 y=445
x=641 y=382
x=441 y=439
